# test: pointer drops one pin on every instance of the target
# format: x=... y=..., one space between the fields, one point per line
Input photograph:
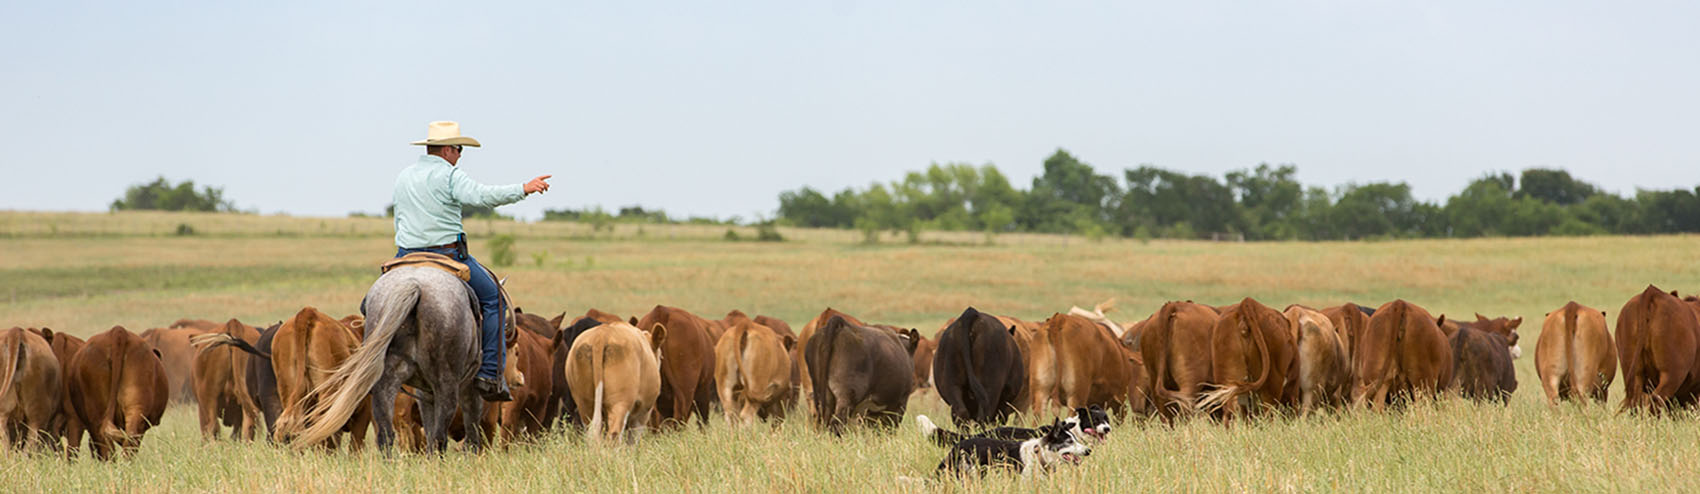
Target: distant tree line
x=1264 y=203
x=162 y=195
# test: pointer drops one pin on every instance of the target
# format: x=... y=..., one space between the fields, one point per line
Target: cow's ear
x=633 y=321
x=1441 y=321
x=1012 y=330
x=1602 y=313
x=790 y=342
x=47 y=334
x=657 y=335
x=518 y=310
x=557 y=320
x=1479 y=317
x=1515 y=322
x=157 y=354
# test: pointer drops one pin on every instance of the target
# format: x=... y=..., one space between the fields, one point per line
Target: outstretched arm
x=470 y=192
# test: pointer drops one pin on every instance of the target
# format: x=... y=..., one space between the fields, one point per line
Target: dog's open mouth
x=1097 y=435
x=1071 y=458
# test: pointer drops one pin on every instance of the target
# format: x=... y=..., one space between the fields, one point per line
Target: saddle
x=430 y=260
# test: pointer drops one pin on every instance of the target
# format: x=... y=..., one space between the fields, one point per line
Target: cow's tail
x=210 y=340
x=1216 y=398
x=818 y=371
x=734 y=363
x=1572 y=310
x=115 y=378
x=11 y=361
x=598 y=358
x=1164 y=330
x=987 y=409
x=351 y=384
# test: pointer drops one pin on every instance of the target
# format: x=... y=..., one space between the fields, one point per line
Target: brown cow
x=1251 y=352
x=66 y=425
x=616 y=376
x=1481 y=364
x=118 y=387
x=526 y=413
x=860 y=370
x=221 y=382
x=1175 y=347
x=1658 y=346
x=1324 y=378
x=306 y=350
x=178 y=356
x=31 y=389
x=924 y=354
x=1092 y=367
x=687 y=365
x=806 y=386
x=752 y=372
x=1349 y=321
x=537 y=324
x=1400 y=354
x=1575 y=355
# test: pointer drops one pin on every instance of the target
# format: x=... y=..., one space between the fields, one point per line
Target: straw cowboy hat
x=445 y=133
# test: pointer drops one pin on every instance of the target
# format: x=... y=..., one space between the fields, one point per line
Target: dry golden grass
x=104 y=269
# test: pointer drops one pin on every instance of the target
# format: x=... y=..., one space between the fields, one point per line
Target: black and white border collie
x=978 y=454
x=1090 y=422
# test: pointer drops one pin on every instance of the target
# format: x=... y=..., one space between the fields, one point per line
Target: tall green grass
x=86 y=283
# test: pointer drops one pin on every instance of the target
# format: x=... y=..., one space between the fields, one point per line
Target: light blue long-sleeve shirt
x=428 y=197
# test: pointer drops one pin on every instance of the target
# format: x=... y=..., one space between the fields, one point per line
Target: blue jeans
x=490 y=300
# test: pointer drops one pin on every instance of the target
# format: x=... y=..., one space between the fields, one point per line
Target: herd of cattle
x=615 y=376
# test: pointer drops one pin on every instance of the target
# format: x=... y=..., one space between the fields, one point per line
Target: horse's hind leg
x=472 y=411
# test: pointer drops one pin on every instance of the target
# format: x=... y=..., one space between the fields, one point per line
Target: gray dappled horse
x=420 y=331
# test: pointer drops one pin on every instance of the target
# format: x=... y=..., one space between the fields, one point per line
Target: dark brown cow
x=1175 y=347
x=978 y=370
x=807 y=385
x=178 y=356
x=1575 y=355
x=561 y=405
x=31 y=389
x=221 y=382
x=859 y=370
x=1505 y=328
x=1252 y=352
x=1481 y=365
x=537 y=324
x=118 y=387
x=1658 y=345
x=1092 y=367
x=525 y=414
x=1400 y=354
x=66 y=425
x=687 y=364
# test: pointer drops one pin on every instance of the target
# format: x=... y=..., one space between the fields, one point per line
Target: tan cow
x=1175 y=347
x=221 y=383
x=615 y=374
x=31 y=388
x=178 y=356
x=306 y=350
x=1252 y=352
x=1324 y=372
x=1575 y=355
x=1092 y=367
x=1402 y=353
x=118 y=387
x=752 y=372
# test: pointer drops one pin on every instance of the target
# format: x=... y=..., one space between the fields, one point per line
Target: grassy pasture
x=82 y=273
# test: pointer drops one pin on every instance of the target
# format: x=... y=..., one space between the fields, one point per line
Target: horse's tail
x=209 y=340
x=598 y=358
x=352 y=382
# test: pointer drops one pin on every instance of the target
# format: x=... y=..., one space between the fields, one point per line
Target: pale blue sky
x=713 y=108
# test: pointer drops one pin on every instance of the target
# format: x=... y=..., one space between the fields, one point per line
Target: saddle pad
x=431 y=260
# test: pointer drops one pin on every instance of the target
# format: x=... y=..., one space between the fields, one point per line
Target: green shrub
x=502 y=250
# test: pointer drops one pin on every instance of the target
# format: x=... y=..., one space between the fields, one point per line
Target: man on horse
x=428 y=200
